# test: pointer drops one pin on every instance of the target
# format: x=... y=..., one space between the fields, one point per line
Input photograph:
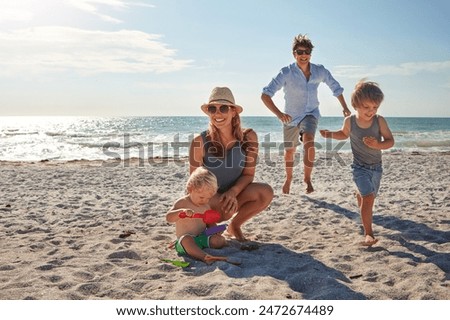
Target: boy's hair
x=302 y=41
x=201 y=177
x=366 y=91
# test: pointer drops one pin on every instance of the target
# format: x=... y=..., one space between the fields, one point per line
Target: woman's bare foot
x=236 y=232
x=369 y=241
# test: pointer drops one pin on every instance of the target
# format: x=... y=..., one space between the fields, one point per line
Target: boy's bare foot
x=235 y=261
x=286 y=186
x=309 y=187
x=369 y=241
x=208 y=259
x=236 y=232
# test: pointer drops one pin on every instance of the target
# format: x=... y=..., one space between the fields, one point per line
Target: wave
x=425 y=144
x=19 y=133
x=110 y=135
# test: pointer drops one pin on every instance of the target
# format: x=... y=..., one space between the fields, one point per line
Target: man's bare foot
x=236 y=232
x=369 y=241
x=309 y=187
x=286 y=186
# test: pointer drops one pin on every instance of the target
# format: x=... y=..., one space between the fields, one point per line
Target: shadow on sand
x=305 y=275
x=408 y=231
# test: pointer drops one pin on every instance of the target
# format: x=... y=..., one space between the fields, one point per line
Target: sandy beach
x=96 y=230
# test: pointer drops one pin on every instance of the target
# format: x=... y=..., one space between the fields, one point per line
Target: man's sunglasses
x=223 y=109
x=300 y=52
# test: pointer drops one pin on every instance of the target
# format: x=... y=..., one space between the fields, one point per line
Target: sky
x=163 y=57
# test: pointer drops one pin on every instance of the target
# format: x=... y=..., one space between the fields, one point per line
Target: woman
x=231 y=154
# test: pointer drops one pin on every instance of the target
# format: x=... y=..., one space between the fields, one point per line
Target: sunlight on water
x=102 y=138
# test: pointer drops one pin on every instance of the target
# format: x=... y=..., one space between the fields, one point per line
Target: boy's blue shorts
x=367 y=178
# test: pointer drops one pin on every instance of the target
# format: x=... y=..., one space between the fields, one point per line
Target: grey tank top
x=227 y=169
x=362 y=154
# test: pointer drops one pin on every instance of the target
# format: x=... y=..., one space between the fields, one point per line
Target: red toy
x=209 y=216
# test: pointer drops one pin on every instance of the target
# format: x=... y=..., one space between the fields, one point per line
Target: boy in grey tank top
x=369 y=134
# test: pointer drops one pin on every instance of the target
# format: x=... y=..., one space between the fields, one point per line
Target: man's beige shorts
x=292 y=134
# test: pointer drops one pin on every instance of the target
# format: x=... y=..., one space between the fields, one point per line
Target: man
x=300 y=81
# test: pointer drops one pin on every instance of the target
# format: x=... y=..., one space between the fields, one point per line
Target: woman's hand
x=229 y=202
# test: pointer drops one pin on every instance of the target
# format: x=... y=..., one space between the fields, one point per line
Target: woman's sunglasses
x=223 y=109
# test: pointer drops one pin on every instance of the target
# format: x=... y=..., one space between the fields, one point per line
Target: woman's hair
x=213 y=136
x=366 y=91
x=201 y=177
x=302 y=41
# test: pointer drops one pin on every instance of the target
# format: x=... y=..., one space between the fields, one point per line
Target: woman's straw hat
x=221 y=95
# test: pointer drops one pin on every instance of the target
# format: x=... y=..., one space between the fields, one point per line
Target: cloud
x=58 y=49
x=92 y=7
x=26 y=10
x=404 y=69
x=15 y=11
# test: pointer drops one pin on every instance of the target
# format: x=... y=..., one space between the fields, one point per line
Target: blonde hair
x=201 y=177
x=366 y=91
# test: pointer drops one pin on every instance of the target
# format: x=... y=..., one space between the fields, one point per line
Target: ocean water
x=106 y=138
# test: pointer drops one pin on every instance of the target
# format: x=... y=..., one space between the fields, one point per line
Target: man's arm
x=285 y=118
x=345 y=109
